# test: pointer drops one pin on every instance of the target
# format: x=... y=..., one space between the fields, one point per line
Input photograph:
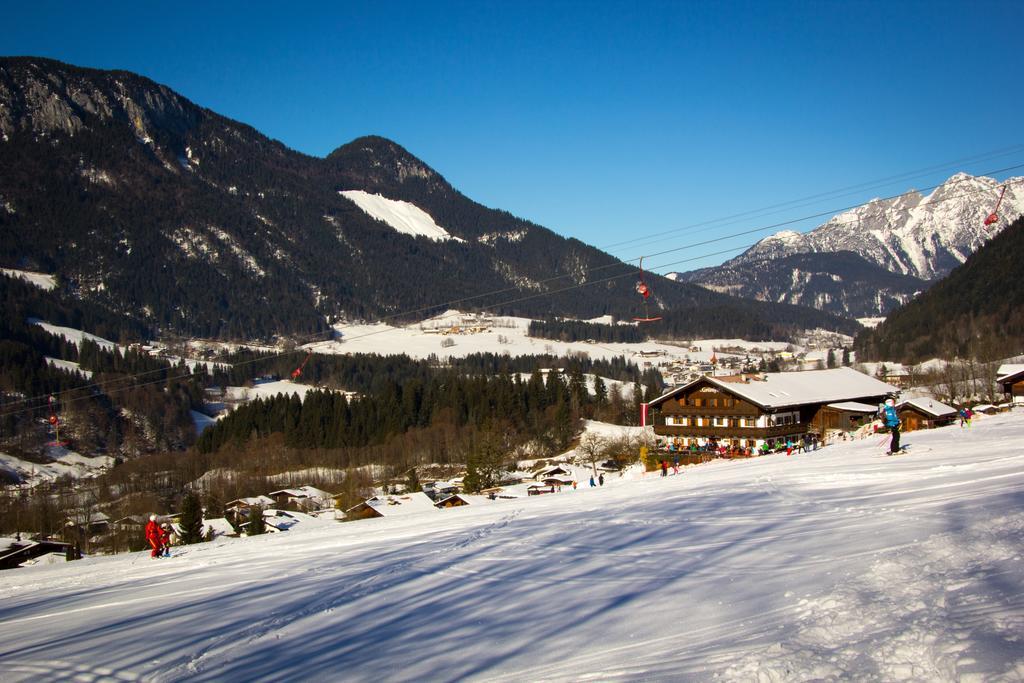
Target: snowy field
x=837 y=565
x=507 y=335
x=61 y=462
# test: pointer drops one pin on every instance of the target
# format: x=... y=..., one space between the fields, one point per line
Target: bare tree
x=592 y=449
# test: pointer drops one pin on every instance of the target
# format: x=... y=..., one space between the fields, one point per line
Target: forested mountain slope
x=154 y=207
x=977 y=311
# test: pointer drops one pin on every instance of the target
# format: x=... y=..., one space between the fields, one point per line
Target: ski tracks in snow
x=205 y=662
x=905 y=619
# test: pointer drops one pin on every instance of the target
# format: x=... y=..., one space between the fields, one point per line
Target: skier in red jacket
x=153 y=536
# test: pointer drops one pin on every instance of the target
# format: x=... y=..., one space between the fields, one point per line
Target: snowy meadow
x=837 y=564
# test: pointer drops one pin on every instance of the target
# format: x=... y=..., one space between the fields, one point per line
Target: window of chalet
x=698 y=402
x=712 y=403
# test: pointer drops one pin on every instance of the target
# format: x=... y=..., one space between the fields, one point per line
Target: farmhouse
x=746 y=411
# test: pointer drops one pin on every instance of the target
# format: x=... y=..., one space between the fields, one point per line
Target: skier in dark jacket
x=892 y=420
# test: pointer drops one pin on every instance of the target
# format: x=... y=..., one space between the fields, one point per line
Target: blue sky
x=603 y=121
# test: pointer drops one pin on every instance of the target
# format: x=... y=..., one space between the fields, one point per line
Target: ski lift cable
x=130 y=380
x=818 y=215
x=833 y=194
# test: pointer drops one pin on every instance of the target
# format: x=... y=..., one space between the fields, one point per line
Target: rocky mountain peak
x=43 y=96
x=913 y=235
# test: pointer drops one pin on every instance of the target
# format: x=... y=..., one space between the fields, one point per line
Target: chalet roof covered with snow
x=1009 y=371
x=404 y=504
x=262 y=501
x=929 y=406
x=854 y=407
x=784 y=389
x=303 y=492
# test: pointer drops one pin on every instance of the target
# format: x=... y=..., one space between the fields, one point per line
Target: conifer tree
x=413 y=484
x=191 y=519
x=256 y=524
x=471 y=482
x=600 y=392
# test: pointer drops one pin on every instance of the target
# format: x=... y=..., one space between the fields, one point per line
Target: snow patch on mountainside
x=40 y=280
x=402 y=216
x=75 y=336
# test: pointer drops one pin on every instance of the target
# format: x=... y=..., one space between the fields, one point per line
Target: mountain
x=852 y=259
x=192 y=223
x=977 y=311
x=841 y=282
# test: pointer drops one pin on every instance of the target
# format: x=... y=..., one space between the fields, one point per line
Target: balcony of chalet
x=732 y=432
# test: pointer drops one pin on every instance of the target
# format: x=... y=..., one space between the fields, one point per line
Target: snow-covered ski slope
x=835 y=565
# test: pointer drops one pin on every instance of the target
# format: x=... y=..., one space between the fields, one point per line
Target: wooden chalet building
x=1011 y=378
x=746 y=411
x=925 y=413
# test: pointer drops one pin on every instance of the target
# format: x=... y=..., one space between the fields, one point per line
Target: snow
x=402 y=504
x=1009 y=369
x=40 y=280
x=59 y=461
x=854 y=407
x=506 y=335
x=267 y=389
x=402 y=216
x=74 y=336
x=201 y=420
x=836 y=565
x=930 y=406
x=68 y=366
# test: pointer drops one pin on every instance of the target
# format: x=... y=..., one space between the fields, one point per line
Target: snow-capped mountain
x=922 y=237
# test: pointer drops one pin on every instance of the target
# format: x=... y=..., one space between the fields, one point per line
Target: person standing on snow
x=892 y=421
x=153 y=537
x=165 y=539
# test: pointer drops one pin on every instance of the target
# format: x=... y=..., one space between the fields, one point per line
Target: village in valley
x=721 y=402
